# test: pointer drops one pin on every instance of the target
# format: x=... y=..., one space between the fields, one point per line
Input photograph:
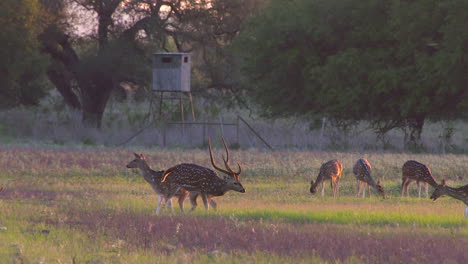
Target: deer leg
x=338 y=186
x=363 y=189
x=368 y=190
x=333 y=187
x=172 y=191
x=419 y=189
x=323 y=188
x=407 y=187
x=426 y=185
x=205 y=201
x=358 y=188
x=404 y=187
x=193 y=200
x=182 y=198
x=159 y=204
x=169 y=205
x=213 y=204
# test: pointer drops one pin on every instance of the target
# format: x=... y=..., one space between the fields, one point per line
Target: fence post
x=204 y=133
x=221 y=125
x=237 y=131
x=164 y=135
x=321 y=133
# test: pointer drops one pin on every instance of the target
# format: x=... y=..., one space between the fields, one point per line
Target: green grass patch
x=351 y=217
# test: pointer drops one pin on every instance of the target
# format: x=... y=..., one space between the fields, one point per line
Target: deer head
x=380 y=189
x=439 y=190
x=139 y=159
x=233 y=177
x=313 y=187
x=233 y=184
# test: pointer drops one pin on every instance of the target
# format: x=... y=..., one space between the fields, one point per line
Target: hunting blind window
x=166 y=59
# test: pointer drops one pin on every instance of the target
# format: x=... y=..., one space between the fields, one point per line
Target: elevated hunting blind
x=171 y=72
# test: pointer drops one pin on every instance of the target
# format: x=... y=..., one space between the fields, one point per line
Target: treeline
x=391 y=63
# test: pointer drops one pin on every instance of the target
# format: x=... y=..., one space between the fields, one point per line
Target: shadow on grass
x=171 y=233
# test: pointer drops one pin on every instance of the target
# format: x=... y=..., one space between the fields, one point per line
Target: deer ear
x=378 y=182
x=443 y=182
x=142 y=156
x=136 y=155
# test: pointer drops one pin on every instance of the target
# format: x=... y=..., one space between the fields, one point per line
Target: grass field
x=84 y=206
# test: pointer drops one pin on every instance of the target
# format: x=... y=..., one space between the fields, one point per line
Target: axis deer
x=362 y=170
x=416 y=171
x=460 y=193
x=204 y=181
x=330 y=170
x=154 y=178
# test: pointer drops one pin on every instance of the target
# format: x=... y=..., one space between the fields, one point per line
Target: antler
x=226 y=161
x=212 y=160
x=229 y=171
x=227 y=151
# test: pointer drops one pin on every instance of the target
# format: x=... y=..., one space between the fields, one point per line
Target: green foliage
x=22 y=75
x=395 y=63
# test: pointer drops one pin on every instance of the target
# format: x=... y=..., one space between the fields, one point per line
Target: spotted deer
x=362 y=170
x=154 y=178
x=460 y=193
x=204 y=181
x=330 y=170
x=416 y=171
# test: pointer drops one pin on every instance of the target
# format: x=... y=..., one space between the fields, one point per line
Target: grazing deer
x=362 y=170
x=202 y=180
x=154 y=178
x=415 y=171
x=329 y=170
x=460 y=193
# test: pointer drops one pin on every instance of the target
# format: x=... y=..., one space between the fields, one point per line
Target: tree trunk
x=63 y=82
x=415 y=126
x=94 y=97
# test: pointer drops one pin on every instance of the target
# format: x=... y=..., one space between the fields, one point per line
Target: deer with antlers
x=155 y=178
x=204 y=181
x=362 y=170
x=416 y=171
x=330 y=170
x=460 y=193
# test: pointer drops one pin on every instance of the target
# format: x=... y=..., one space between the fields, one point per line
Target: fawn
x=154 y=178
x=416 y=171
x=332 y=170
x=362 y=170
x=460 y=193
